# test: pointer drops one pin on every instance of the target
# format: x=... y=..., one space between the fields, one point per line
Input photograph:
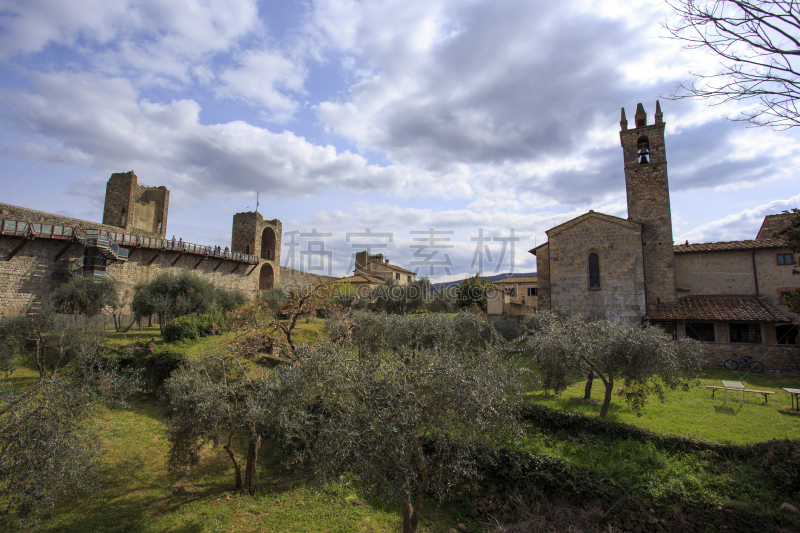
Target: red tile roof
x=393 y=267
x=361 y=278
x=728 y=245
x=727 y=308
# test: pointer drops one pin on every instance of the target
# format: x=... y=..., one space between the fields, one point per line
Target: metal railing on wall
x=115 y=241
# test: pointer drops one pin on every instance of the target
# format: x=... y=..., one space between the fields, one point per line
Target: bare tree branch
x=758 y=44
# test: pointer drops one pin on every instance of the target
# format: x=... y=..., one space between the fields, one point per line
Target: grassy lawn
x=140 y=495
x=696 y=414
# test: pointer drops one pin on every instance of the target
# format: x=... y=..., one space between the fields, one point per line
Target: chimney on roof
x=386 y=261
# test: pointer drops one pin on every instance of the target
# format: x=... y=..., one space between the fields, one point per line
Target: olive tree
x=644 y=359
x=213 y=401
x=375 y=333
x=404 y=425
x=170 y=296
x=49 y=449
x=88 y=296
x=47 y=338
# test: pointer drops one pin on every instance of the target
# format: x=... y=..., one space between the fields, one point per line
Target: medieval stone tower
x=647 y=188
x=253 y=235
x=129 y=205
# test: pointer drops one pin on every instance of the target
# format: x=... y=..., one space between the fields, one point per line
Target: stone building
x=513 y=296
x=375 y=266
x=726 y=294
x=39 y=250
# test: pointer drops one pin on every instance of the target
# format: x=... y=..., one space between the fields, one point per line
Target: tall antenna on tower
x=256 y=202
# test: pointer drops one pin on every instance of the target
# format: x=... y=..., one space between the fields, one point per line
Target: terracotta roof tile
x=728 y=308
x=393 y=267
x=361 y=278
x=728 y=245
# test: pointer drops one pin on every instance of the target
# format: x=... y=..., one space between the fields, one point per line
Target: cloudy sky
x=477 y=119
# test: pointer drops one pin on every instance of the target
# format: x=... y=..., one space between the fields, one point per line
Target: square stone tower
x=253 y=235
x=131 y=206
x=647 y=189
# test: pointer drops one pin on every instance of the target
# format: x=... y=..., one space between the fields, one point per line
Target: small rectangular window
x=701 y=331
x=512 y=293
x=750 y=333
x=397 y=277
x=408 y=279
x=785 y=259
x=594 y=271
x=787 y=334
x=784 y=294
x=533 y=291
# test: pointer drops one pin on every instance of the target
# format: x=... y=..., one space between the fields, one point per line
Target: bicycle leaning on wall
x=745 y=363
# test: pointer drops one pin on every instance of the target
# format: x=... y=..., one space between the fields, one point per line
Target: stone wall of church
x=621 y=294
x=543 y=277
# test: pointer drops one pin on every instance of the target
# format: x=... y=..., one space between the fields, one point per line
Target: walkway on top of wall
x=29 y=231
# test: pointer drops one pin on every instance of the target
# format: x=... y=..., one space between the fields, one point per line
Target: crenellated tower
x=253 y=235
x=647 y=189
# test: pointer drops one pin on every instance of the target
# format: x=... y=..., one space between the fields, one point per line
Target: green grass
x=139 y=494
x=696 y=414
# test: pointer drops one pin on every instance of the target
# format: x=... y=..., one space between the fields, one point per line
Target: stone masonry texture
x=647 y=190
x=618 y=246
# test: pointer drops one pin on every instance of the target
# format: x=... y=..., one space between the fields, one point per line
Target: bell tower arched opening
x=266 y=277
x=268 y=242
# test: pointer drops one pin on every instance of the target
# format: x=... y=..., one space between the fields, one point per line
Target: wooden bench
x=764 y=392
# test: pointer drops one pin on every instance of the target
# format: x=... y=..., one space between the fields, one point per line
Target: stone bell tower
x=253 y=235
x=647 y=189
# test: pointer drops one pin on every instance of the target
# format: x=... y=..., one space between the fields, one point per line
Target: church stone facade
x=727 y=295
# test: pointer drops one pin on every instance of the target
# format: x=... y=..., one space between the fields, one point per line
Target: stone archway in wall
x=268 y=242
x=266 y=277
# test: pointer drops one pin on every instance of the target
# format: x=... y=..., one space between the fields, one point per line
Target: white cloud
x=742 y=225
x=260 y=77
x=107 y=126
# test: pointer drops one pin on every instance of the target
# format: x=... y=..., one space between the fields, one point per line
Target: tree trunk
x=250 y=469
x=236 y=464
x=410 y=514
x=587 y=391
x=607 y=400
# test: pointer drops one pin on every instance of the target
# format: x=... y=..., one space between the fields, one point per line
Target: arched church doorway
x=266 y=277
x=268 y=244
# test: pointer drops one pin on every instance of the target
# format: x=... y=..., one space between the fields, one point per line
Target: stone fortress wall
x=38 y=267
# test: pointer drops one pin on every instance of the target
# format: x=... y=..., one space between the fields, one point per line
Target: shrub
x=190 y=327
x=156 y=367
